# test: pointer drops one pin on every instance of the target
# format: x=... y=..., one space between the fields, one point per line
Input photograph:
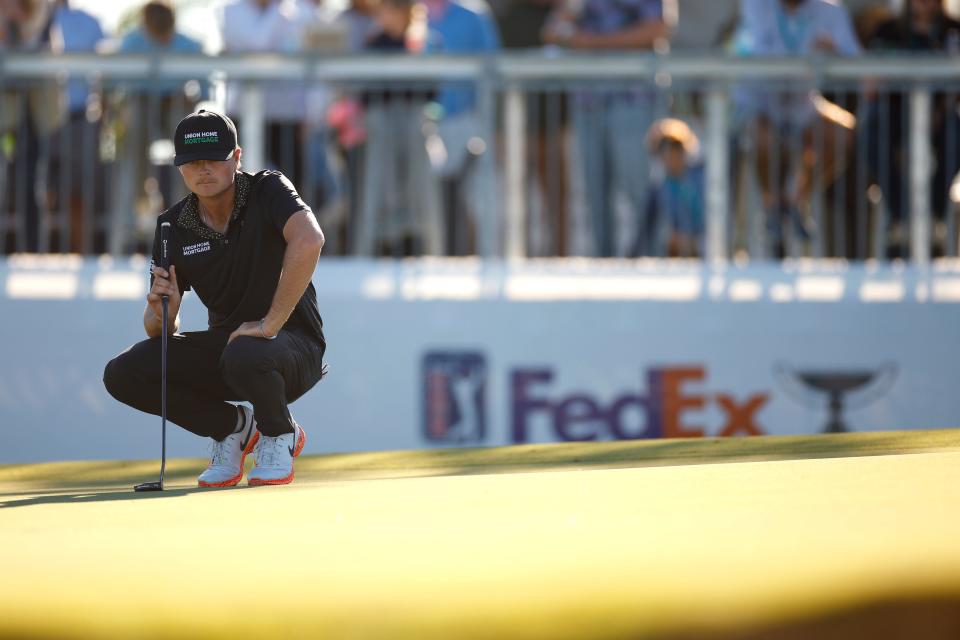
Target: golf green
x=668 y=538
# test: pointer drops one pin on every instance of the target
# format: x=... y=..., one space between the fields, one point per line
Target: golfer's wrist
x=266 y=329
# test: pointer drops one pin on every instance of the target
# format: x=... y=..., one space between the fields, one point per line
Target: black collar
x=189 y=217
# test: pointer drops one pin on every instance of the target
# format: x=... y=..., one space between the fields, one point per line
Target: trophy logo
x=842 y=389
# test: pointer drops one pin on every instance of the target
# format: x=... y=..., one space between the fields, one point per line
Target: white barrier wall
x=462 y=352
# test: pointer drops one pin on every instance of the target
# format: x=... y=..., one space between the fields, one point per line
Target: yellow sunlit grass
x=587 y=540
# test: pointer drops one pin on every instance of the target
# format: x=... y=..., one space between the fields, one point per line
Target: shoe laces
x=220 y=451
x=270 y=450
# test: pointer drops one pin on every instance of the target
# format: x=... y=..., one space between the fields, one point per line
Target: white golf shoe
x=274 y=458
x=227 y=456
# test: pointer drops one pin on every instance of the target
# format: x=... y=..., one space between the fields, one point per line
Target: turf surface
x=684 y=538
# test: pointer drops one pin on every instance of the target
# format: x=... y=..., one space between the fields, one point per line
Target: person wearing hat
x=676 y=199
x=247 y=245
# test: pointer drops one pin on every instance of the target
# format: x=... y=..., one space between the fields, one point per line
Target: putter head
x=149 y=486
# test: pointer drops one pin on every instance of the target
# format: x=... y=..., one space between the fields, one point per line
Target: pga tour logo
x=454 y=394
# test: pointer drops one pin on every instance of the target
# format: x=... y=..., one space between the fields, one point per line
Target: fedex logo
x=664 y=405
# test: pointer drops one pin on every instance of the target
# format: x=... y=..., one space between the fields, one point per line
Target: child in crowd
x=675 y=204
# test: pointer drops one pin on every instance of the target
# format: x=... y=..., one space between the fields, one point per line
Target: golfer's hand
x=252 y=329
x=164 y=284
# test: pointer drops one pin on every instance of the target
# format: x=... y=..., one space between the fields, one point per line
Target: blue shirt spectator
x=80 y=32
x=138 y=41
x=678 y=199
x=455 y=27
x=676 y=202
x=605 y=17
x=157 y=35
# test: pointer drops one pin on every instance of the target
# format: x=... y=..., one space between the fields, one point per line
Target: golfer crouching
x=247 y=245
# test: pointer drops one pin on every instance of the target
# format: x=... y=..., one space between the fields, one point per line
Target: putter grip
x=165 y=247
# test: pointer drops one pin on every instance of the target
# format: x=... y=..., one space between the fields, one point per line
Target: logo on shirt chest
x=199 y=247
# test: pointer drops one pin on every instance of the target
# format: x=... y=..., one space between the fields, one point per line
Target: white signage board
x=472 y=353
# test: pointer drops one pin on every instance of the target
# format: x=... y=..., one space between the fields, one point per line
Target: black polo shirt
x=236 y=274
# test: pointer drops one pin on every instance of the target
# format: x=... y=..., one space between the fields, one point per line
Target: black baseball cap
x=204 y=135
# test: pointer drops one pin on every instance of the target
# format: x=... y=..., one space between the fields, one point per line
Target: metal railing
x=531 y=181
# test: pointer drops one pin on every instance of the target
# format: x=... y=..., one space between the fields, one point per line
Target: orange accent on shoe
x=302 y=440
x=232 y=482
x=257 y=482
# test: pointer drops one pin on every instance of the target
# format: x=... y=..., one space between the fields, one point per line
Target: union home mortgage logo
x=454 y=396
x=197 y=137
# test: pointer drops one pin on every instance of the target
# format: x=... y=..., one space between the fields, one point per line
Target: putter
x=164 y=264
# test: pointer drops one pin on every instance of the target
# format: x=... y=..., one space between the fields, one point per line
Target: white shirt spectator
x=769 y=29
x=247 y=28
x=360 y=28
x=320 y=32
x=319 y=28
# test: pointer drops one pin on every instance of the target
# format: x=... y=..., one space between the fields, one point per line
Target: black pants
x=204 y=372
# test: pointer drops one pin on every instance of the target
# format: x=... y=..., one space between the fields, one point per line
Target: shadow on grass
x=622 y=454
x=935 y=617
x=113 y=495
x=74 y=482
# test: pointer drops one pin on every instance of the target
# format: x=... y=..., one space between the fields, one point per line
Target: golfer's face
x=208 y=178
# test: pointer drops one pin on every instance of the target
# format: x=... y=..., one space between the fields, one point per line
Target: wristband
x=263 y=334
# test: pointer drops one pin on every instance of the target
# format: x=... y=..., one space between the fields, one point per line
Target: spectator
x=270 y=26
x=922 y=27
x=28 y=25
x=324 y=184
x=29 y=116
x=151 y=110
x=868 y=19
x=459 y=158
x=798 y=117
x=76 y=181
x=157 y=33
x=319 y=27
x=459 y=27
x=360 y=20
x=521 y=24
x=400 y=209
x=611 y=123
x=345 y=115
x=80 y=32
x=394 y=18
x=675 y=206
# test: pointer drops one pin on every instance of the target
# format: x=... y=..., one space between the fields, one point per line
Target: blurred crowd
x=400 y=168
